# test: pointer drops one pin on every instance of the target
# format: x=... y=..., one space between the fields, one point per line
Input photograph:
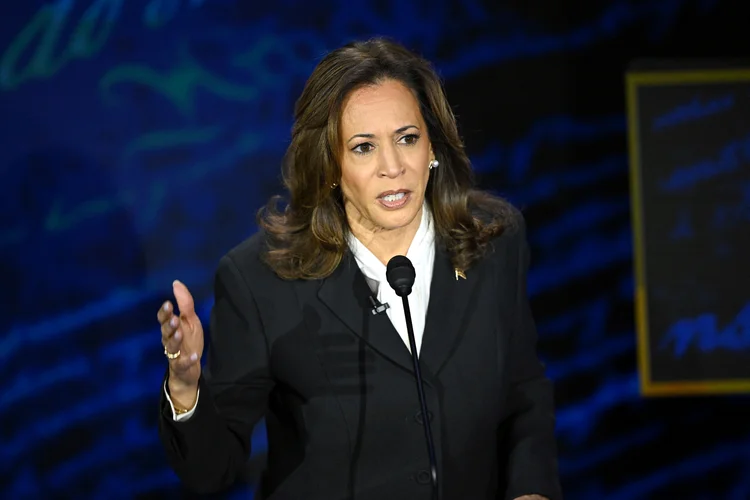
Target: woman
x=375 y=169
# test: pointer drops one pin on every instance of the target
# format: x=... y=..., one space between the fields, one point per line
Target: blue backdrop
x=139 y=138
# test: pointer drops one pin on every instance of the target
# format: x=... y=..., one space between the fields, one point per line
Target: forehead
x=383 y=105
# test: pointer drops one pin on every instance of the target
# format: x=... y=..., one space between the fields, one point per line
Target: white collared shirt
x=422 y=255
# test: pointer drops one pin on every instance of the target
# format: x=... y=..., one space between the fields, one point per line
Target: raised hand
x=182 y=337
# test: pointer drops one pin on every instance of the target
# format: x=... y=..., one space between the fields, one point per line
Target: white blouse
x=422 y=255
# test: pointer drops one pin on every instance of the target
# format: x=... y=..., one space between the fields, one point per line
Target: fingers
x=184 y=300
x=171 y=337
x=173 y=327
x=165 y=312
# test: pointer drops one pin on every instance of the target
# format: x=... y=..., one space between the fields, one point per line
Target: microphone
x=400 y=275
x=377 y=307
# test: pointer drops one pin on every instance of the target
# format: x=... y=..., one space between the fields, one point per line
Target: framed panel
x=689 y=141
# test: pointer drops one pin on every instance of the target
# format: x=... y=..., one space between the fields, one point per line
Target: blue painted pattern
x=139 y=138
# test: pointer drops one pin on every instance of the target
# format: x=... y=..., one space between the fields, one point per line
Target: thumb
x=184 y=300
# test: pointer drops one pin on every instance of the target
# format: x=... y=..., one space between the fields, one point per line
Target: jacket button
x=423 y=477
x=420 y=419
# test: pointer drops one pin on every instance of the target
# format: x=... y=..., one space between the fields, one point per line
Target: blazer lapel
x=346 y=294
x=447 y=313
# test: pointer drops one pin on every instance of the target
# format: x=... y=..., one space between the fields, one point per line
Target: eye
x=363 y=149
x=409 y=140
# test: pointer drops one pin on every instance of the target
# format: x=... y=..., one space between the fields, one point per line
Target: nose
x=391 y=164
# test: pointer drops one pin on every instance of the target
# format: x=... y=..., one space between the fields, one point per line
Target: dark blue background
x=138 y=138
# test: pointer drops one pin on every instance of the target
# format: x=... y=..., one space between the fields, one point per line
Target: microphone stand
x=423 y=403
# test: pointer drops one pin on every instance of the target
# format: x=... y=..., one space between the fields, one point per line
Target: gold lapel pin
x=459 y=274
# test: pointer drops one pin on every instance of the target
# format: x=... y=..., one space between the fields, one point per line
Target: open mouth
x=395 y=199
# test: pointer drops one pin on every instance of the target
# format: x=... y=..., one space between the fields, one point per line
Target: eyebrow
x=370 y=136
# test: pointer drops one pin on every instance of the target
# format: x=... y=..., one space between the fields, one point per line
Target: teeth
x=394 y=197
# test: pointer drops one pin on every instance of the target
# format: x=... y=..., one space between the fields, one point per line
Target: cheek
x=424 y=172
x=422 y=163
x=355 y=187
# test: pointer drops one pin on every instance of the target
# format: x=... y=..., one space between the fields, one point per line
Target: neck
x=385 y=243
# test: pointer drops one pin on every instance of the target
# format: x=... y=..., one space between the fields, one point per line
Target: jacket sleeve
x=209 y=450
x=528 y=434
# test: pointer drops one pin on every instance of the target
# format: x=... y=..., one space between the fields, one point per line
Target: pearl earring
x=434 y=164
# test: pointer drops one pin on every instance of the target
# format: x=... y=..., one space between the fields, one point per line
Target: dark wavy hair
x=307 y=238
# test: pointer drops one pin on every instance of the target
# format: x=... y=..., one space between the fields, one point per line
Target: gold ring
x=171 y=355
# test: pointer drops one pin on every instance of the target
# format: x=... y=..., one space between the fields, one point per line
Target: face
x=385 y=158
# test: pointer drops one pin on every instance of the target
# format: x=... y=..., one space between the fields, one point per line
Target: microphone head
x=400 y=275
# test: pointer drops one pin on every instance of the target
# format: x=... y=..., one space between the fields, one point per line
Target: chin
x=398 y=219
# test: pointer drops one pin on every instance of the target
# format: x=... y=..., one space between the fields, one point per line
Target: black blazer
x=336 y=386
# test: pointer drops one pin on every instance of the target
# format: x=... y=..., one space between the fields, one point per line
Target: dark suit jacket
x=337 y=388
